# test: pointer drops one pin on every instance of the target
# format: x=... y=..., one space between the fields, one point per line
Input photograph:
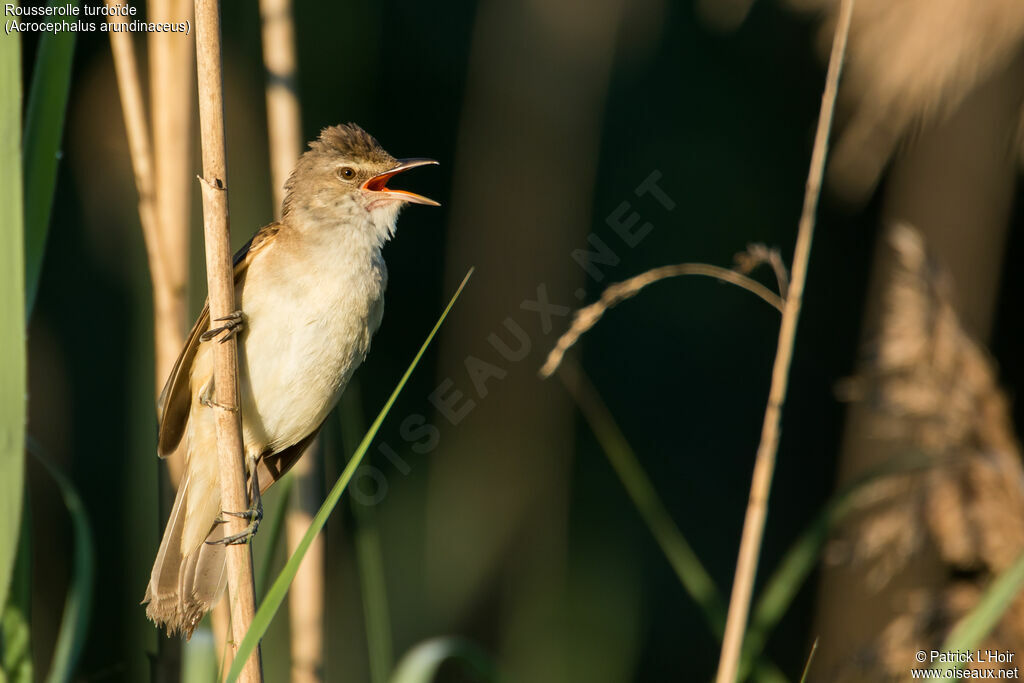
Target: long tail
x=188 y=577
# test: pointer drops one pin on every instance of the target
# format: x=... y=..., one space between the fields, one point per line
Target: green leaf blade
x=12 y=310
x=74 y=623
x=278 y=591
x=44 y=126
x=422 y=663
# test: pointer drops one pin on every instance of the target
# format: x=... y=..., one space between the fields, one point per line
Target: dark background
x=727 y=119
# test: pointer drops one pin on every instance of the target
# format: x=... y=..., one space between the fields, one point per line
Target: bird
x=310 y=293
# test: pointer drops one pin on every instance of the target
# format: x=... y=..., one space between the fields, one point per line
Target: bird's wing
x=273 y=466
x=176 y=399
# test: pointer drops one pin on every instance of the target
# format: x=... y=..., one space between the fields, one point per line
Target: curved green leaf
x=421 y=663
x=74 y=623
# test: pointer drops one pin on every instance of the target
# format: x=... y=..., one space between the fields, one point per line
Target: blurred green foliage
x=12 y=310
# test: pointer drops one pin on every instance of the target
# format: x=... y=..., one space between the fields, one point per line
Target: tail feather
x=183 y=586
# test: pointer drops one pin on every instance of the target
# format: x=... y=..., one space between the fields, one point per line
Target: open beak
x=379 y=182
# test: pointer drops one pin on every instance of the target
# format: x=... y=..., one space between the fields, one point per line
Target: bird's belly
x=296 y=356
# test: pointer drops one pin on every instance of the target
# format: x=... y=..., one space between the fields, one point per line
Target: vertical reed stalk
x=172 y=99
x=220 y=626
x=764 y=464
x=306 y=599
x=220 y=281
x=168 y=265
x=171 y=96
x=283 y=113
x=305 y=604
x=140 y=151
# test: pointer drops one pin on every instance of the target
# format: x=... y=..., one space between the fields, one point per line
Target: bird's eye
x=346 y=173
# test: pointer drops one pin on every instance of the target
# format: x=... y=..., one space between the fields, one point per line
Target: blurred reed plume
x=284 y=129
x=911 y=63
x=936 y=394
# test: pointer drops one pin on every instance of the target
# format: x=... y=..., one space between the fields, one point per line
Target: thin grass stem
x=588 y=316
x=764 y=463
x=687 y=566
x=810 y=660
x=278 y=591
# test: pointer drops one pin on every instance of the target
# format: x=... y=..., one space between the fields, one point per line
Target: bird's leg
x=253 y=515
x=206 y=399
x=233 y=324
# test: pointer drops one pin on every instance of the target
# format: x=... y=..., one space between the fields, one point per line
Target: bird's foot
x=206 y=399
x=233 y=324
x=254 y=515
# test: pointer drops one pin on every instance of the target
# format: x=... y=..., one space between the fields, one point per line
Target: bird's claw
x=254 y=514
x=233 y=324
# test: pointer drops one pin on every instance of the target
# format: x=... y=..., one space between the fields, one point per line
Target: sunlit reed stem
x=764 y=464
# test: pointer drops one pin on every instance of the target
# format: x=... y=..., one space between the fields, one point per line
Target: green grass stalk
x=44 y=126
x=12 y=310
x=687 y=566
x=278 y=591
x=74 y=623
x=810 y=660
x=979 y=622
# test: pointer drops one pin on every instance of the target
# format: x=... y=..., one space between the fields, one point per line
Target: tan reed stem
x=220 y=280
x=140 y=151
x=306 y=597
x=306 y=600
x=220 y=625
x=166 y=272
x=588 y=316
x=283 y=113
x=764 y=463
x=172 y=93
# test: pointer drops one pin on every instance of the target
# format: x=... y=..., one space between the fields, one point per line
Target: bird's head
x=343 y=180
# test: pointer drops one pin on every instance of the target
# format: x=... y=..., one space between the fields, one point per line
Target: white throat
x=375 y=223
x=385 y=220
